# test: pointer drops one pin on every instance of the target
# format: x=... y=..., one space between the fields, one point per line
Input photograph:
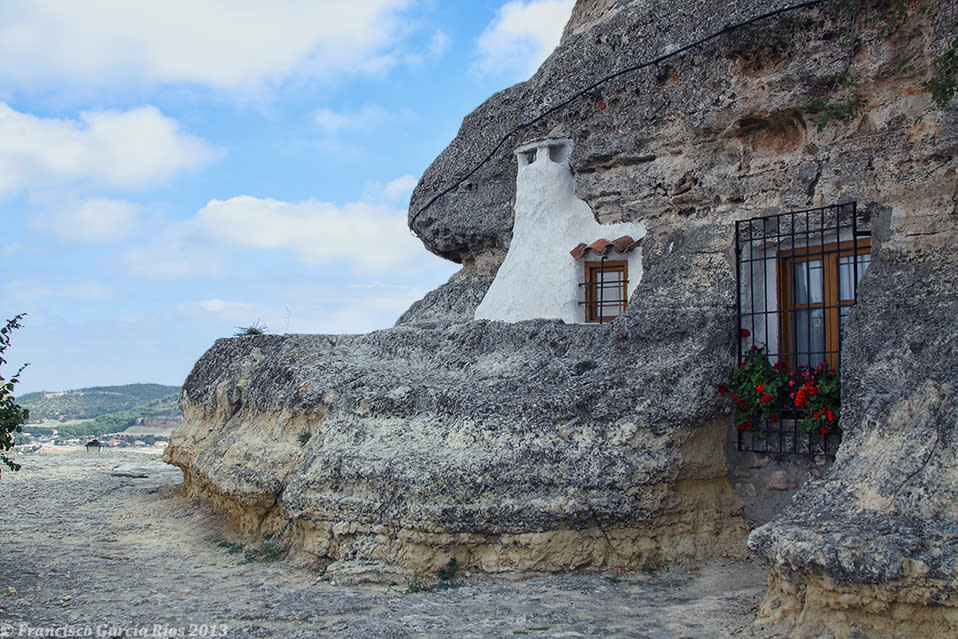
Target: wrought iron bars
x=796 y=276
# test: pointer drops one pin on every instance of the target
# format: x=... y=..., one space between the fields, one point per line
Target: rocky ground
x=105 y=544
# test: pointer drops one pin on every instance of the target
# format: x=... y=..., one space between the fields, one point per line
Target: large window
x=797 y=278
x=605 y=289
x=817 y=287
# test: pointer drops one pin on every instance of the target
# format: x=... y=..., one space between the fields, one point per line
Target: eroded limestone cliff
x=544 y=445
x=506 y=446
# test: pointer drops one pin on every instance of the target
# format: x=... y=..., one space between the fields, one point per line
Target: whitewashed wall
x=539 y=278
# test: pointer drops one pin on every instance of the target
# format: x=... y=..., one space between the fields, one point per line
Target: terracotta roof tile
x=600 y=247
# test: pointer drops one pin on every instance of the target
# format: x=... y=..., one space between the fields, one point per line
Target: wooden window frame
x=831 y=304
x=593 y=312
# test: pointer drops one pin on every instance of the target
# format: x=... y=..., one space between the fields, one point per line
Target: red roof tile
x=600 y=247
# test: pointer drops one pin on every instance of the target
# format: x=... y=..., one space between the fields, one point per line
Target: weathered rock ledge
x=509 y=447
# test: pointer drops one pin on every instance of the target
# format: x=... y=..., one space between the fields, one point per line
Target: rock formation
x=544 y=445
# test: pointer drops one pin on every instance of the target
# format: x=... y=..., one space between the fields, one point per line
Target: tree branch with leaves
x=12 y=415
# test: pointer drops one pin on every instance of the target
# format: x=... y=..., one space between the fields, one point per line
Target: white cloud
x=30 y=291
x=366 y=119
x=369 y=237
x=522 y=35
x=174 y=255
x=16 y=251
x=438 y=45
x=401 y=188
x=94 y=219
x=222 y=306
x=117 y=149
x=238 y=314
x=314 y=309
x=395 y=191
x=235 y=44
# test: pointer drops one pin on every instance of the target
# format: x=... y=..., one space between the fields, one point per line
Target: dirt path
x=105 y=545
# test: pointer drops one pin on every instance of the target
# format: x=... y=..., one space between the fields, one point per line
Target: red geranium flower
x=760 y=389
x=746 y=424
x=746 y=333
x=723 y=390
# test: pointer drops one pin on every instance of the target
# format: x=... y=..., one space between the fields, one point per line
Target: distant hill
x=90 y=403
x=92 y=412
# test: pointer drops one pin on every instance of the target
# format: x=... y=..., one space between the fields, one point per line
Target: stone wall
x=768 y=482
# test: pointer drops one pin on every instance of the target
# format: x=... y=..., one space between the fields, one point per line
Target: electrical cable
x=592 y=87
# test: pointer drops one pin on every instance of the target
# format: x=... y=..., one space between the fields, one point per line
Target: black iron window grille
x=797 y=278
x=605 y=289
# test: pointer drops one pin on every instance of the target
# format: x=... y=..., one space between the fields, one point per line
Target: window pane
x=846 y=274
x=610 y=310
x=611 y=279
x=604 y=290
x=807 y=285
x=810 y=337
x=610 y=292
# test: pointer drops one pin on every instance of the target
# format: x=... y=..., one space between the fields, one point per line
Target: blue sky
x=170 y=171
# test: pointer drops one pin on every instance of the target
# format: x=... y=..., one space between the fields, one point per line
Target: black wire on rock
x=592 y=87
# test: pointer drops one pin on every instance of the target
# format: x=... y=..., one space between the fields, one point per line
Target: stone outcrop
x=544 y=445
x=735 y=129
x=873 y=546
x=505 y=446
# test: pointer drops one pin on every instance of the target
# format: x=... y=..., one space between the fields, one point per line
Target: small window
x=605 y=290
x=817 y=290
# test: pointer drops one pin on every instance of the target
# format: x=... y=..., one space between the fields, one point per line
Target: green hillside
x=90 y=403
x=116 y=422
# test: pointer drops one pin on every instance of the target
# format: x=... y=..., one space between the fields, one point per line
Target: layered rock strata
x=543 y=445
x=528 y=446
